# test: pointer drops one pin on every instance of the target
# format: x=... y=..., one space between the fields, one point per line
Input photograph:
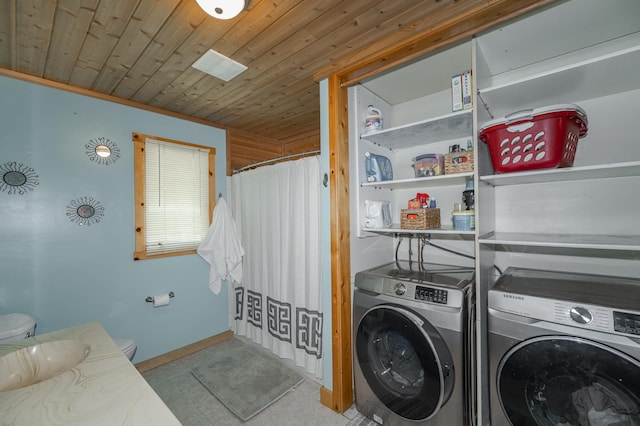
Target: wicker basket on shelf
x=458 y=162
x=420 y=218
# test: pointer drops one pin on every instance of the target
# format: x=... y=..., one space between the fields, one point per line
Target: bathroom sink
x=36 y=363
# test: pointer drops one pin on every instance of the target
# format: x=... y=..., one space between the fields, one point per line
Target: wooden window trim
x=139 y=139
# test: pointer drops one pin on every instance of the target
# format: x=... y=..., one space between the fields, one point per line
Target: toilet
x=21 y=326
x=16 y=327
x=127 y=346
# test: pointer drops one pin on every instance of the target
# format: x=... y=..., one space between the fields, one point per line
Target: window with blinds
x=174 y=187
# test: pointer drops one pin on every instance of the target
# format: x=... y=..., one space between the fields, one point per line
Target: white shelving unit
x=444 y=128
x=585 y=217
x=422 y=182
x=600 y=171
x=438 y=130
x=596 y=64
x=590 y=72
x=580 y=218
x=567 y=241
x=443 y=230
x=629 y=243
x=407 y=140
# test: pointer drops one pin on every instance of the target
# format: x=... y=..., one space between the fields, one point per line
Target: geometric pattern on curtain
x=308 y=323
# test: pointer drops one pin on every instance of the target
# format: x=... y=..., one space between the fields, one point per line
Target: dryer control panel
x=625 y=322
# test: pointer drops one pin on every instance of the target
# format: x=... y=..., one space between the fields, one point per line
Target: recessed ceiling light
x=218 y=65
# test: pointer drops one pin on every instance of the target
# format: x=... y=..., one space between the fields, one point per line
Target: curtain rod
x=273 y=160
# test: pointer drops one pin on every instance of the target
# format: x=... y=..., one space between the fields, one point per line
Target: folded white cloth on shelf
x=221 y=248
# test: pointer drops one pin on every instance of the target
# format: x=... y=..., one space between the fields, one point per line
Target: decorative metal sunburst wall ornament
x=17 y=178
x=85 y=211
x=102 y=150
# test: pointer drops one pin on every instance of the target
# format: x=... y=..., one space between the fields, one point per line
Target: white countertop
x=104 y=389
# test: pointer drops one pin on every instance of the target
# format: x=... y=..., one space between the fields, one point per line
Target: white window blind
x=176 y=196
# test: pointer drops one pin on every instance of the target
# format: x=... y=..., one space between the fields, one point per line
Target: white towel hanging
x=221 y=248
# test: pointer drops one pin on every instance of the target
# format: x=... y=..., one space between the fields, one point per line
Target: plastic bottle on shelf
x=373 y=122
x=468 y=195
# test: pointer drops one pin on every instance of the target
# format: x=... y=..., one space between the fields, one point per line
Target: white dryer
x=412 y=355
x=564 y=349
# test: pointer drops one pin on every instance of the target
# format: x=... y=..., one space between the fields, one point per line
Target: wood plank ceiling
x=142 y=51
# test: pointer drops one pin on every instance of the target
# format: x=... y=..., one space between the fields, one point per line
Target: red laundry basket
x=535 y=139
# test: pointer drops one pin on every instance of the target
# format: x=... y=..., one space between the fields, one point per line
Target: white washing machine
x=564 y=349
x=412 y=355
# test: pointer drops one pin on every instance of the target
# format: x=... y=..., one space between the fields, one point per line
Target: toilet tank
x=16 y=327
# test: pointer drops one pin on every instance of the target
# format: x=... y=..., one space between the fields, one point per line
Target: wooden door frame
x=484 y=16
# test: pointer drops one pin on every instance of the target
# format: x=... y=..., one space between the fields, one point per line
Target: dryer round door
x=558 y=380
x=405 y=361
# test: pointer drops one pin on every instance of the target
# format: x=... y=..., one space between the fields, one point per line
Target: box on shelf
x=428 y=165
x=414 y=204
x=420 y=218
x=456 y=92
x=458 y=162
x=535 y=139
x=467 y=93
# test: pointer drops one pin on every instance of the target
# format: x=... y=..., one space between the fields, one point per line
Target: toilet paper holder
x=149 y=299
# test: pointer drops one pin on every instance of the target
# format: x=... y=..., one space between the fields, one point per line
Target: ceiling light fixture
x=223 y=9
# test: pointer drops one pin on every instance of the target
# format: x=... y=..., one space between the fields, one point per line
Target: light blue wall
x=64 y=274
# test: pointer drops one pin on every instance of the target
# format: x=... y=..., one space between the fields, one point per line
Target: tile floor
x=193 y=405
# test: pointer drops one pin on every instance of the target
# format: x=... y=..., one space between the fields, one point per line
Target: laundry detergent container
x=16 y=327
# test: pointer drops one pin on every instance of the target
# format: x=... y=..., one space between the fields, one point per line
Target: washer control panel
x=589 y=317
x=400 y=289
x=625 y=322
x=430 y=294
x=580 y=315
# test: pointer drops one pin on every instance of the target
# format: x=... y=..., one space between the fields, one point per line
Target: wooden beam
x=342 y=392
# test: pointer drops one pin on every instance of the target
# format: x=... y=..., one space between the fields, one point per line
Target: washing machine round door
x=405 y=361
x=565 y=380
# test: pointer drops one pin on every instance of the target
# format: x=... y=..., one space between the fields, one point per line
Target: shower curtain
x=279 y=302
